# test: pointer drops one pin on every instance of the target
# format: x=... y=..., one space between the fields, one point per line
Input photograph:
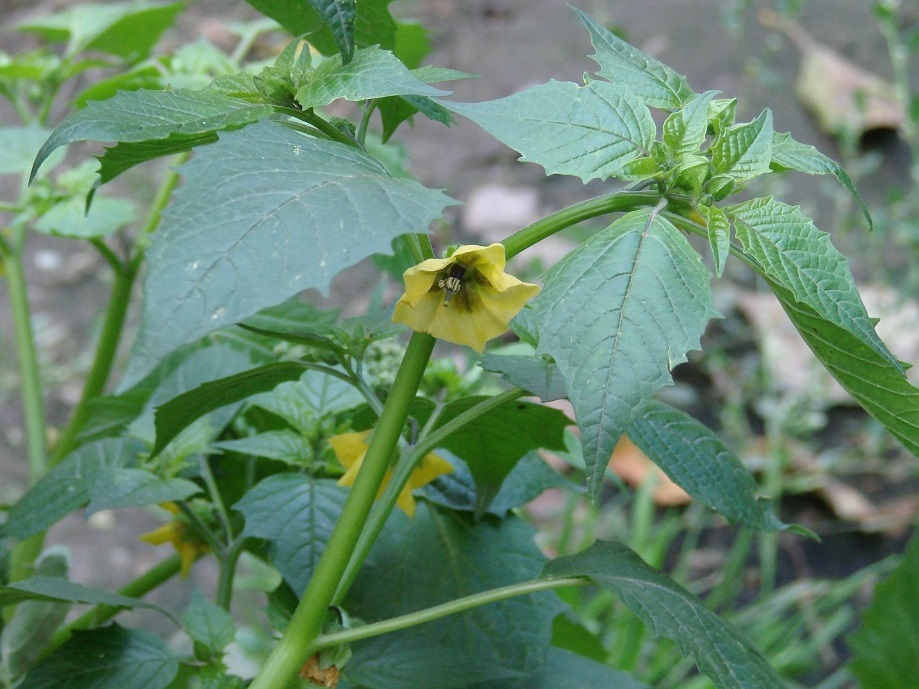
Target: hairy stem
x=293 y=650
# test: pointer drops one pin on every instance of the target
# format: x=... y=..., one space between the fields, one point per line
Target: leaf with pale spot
x=266 y=213
x=616 y=314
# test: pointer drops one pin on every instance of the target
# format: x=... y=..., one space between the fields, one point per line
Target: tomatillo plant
x=261 y=419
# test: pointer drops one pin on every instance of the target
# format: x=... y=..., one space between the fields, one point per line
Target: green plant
x=240 y=406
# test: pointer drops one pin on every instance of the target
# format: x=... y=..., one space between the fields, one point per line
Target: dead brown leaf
x=632 y=465
x=844 y=98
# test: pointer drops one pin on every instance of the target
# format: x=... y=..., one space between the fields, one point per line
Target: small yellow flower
x=179 y=534
x=466 y=299
x=350 y=449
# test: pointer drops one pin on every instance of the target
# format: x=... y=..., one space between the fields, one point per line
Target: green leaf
x=788 y=154
x=616 y=314
x=374 y=24
x=412 y=44
x=684 y=131
x=107 y=658
x=63 y=489
x=744 y=151
x=719 y=235
x=492 y=444
x=133 y=116
x=719 y=650
x=879 y=386
x=71 y=218
x=884 y=646
x=570 y=634
x=59 y=589
x=128 y=30
x=535 y=374
x=207 y=623
x=451 y=557
x=109 y=415
x=303 y=401
x=264 y=214
x=340 y=17
x=295 y=514
x=180 y=412
x=795 y=254
x=118 y=487
x=653 y=82
x=34 y=622
x=591 y=131
x=373 y=73
x=699 y=462
x=283 y=446
x=123 y=156
x=19 y=146
x=567 y=670
x=530 y=477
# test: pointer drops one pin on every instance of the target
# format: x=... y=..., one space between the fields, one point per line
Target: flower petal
x=475 y=313
x=431 y=467
x=349 y=448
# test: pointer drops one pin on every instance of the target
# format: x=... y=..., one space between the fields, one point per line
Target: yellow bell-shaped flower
x=350 y=449
x=177 y=532
x=466 y=299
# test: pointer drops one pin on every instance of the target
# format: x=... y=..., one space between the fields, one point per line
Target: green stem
x=106 y=351
x=560 y=220
x=368 y=108
x=227 y=573
x=99 y=614
x=450 y=608
x=33 y=410
x=208 y=476
x=401 y=474
x=293 y=649
x=201 y=529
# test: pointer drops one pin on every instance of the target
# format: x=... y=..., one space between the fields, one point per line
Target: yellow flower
x=179 y=534
x=350 y=449
x=466 y=299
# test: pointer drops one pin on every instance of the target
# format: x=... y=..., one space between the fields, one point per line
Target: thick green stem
x=293 y=649
x=24 y=553
x=546 y=227
x=103 y=613
x=450 y=608
x=403 y=471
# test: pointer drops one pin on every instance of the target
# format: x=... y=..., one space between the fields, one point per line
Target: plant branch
x=33 y=409
x=451 y=608
x=305 y=625
x=611 y=203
